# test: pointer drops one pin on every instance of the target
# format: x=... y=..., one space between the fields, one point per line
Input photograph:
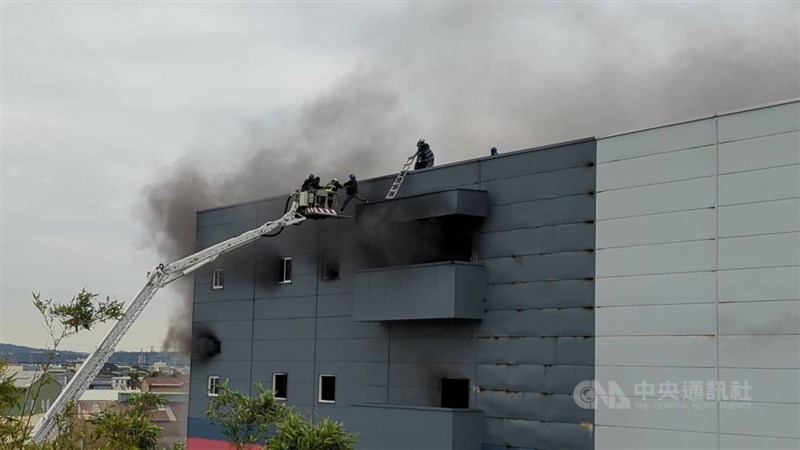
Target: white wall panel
x=656 y=320
x=664 y=351
x=625 y=438
x=657 y=228
x=654 y=289
x=759 y=185
x=738 y=442
x=767 y=385
x=760 y=153
x=768 y=352
x=760 y=419
x=652 y=259
x=650 y=416
x=628 y=377
x=781 y=317
x=660 y=168
x=656 y=140
x=769 y=250
x=775 y=283
x=760 y=218
x=760 y=122
x=659 y=198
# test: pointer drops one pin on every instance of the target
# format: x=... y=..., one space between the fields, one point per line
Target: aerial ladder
x=299 y=207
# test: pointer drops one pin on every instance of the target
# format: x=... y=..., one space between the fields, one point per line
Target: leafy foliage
x=82 y=312
x=296 y=432
x=261 y=419
x=244 y=419
x=129 y=430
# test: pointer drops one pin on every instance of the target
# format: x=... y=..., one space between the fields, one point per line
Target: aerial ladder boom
x=162 y=275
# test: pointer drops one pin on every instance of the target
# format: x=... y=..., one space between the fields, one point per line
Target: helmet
x=335 y=179
x=352 y=176
x=311 y=176
x=420 y=142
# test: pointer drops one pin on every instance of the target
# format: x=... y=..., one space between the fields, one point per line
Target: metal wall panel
x=295 y=350
x=776 y=352
x=232 y=310
x=508 y=165
x=573 y=209
x=760 y=419
x=657 y=228
x=781 y=317
x=301 y=372
x=540 y=186
x=659 y=168
x=768 y=385
x=673 y=320
x=652 y=439
x=552 y=322
x=226 y=215
x=529 y=241
x=760 y=122
x=284 y=308
x=659 y=198
x=774 y=283
x=564 y=266
x=665 y=351
x=537 y=435
x=353 y=350
x=657 y=140
x=540 y=294
x=628 y=377
x=778 y=216
x=759 y=185
x=660 y=258
x=770 y=250
x=532 y=377
x=283 y=329
x=693 y=418
x=696 y=287
x=760 y=153
x=738 y=442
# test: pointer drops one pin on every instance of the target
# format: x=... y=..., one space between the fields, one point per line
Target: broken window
x=455 y=393
x=330 y=267
x=280 y=385
x=285 y=271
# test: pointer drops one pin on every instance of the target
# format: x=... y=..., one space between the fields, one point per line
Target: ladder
x=400 y=177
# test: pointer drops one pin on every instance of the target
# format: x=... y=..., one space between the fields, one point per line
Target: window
x=280 y=385
x=327 y=388
x=285 y=271
x=330 y=267
x=213 y=386
x=455 y=393
x=217 y=279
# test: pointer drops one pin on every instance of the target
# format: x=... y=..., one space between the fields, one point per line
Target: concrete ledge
x=465 y=202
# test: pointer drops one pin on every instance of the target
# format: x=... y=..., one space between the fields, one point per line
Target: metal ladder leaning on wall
x=400 y=177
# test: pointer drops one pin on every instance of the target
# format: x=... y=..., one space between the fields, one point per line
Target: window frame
x=282 y=270
x=275 y=375
x=217 y=279
x=319 y=394
x=327 y=261
x=212 y=392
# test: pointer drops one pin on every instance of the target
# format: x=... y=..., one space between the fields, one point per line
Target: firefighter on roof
x=424 y=155
x=351 y=189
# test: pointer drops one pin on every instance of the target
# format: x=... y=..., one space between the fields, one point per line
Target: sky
x=120 y=119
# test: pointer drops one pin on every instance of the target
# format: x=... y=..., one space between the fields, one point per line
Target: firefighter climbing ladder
x=400 y=177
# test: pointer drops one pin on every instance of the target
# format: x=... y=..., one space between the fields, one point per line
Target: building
x=474 y=309
x=37 y=390
x=164 y=384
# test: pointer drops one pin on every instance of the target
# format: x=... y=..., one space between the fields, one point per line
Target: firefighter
x=493 y=151
x=307 y=182
x=351 y=189
x=331 y=188
x=424 y=155
x=315 y=184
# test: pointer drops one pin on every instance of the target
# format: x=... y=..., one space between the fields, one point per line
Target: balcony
x=399 y=427
x=460 y=202
x=443 y=290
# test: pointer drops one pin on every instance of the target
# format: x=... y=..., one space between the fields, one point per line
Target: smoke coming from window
x=470 y=77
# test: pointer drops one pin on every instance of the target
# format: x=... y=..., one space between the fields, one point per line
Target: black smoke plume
x=471 y=76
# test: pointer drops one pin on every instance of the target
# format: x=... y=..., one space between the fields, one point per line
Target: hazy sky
x=101 y=100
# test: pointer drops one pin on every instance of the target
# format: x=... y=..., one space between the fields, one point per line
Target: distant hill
x=19 y=354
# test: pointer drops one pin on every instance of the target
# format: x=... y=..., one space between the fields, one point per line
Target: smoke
x=471 y=76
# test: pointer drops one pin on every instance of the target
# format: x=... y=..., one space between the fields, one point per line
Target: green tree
x=61 y=320
x=297 y=432
x=129 y=430
x=244 y=419
x=260 y=419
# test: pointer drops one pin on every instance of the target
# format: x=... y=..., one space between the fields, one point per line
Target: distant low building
x=37 y=390
x=164 y=385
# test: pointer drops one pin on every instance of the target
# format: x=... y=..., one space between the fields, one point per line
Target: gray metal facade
x=533 y=344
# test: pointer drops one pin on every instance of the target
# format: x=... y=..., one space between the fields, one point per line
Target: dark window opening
x=280 y=385
x=330 y=268
x=327 y=388
x=455 y=393
x=285 y=270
